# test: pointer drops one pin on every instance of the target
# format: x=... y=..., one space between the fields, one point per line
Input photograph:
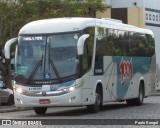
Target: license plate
x=35 y=88
x=44 y=101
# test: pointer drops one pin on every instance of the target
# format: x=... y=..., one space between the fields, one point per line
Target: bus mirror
x=7 y=47
x=80 y=44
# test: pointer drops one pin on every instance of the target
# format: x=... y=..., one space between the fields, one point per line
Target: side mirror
x=80 y=44
x=7 y=47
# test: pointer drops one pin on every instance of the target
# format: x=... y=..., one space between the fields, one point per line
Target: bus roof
x=58 y=25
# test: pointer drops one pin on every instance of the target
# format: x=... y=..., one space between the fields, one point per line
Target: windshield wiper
x=38 y=64
x=53 y=67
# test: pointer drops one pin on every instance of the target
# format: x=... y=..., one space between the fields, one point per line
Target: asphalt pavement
x=12 y=108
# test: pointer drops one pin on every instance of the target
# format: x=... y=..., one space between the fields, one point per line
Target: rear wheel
x=40 y=110
x=139 y=100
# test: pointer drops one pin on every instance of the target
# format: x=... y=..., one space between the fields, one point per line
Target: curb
x=157 y=93
x=13 y=108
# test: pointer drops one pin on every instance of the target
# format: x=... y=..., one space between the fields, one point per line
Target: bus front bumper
x=69 y=99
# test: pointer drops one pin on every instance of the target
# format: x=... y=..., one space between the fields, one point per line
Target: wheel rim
x=97 y=100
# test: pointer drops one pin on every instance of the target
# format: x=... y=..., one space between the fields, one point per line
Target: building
x=140 y=13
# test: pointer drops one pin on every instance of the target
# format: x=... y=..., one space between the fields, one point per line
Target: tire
x=137 y=101
x=10 y=100
x=96 y=106
x=130 y=102
x=40 y=110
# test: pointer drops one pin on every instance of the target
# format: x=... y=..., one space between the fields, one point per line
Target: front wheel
x=96 y=106
x=10 y=100
x=40 y=110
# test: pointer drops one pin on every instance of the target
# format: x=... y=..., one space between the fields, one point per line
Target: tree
x=16 y=13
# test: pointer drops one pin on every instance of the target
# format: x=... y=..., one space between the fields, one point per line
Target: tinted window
x=88 y=50
x=111 y=42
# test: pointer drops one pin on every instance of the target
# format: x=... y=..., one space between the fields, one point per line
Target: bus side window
x=151 y=46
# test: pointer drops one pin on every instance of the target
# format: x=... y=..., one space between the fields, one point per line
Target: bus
x=82 y=62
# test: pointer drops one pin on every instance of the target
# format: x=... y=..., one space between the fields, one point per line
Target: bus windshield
x=47 y=57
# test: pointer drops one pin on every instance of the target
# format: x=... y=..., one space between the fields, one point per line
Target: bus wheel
x=10 y=100
x=137 y=101
x=96 y=106
x=40 y=110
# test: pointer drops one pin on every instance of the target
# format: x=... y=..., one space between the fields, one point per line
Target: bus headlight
x=72 y=88
x=19 y=90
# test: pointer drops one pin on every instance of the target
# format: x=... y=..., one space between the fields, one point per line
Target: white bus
x=82 y=62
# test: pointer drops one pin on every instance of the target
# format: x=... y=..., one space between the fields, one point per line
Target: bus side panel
x=133 y=88
x=130 y=70
x=110 y=72
x=146 y=73
x=150 y=78
x=87 y=90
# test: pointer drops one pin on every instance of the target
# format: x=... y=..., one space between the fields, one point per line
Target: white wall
x=126 y=3
x=154 y=4
x=108 y=2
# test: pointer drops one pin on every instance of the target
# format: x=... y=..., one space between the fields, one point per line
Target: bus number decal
x=126 y=70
